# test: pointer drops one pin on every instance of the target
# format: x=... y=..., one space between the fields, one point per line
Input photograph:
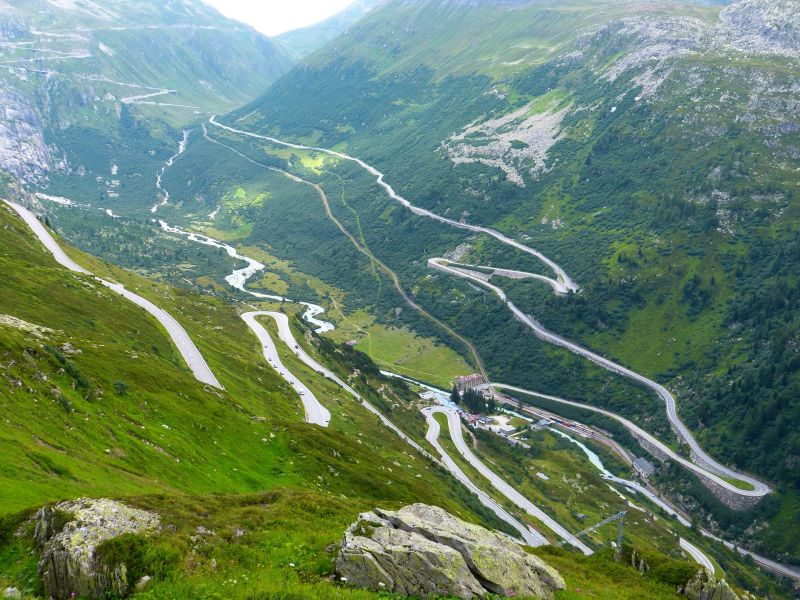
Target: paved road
x=698 y=555
x=706 y=466
x=529 y=535
x=560 y=273
x=557 y=285
x=699 y=455
x=454 y=423
x=636 y=430
x=316 y=414
x=627 y=483
x=766 y=563
x=285 y=333
x=191 y=355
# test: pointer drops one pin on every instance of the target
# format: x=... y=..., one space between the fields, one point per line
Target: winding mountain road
x=701 y=460
x=286 y=335
x=707 y=466
x=627 y=483
x=379 y=177
x=454 y=425
x=316 y=413
x=529 y=535
x=191 y=355
x=698 y=555
x=557 y=285
x=638 y=432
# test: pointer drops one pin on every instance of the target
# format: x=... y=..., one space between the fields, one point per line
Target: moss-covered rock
x=69 y=535
x=423 y=550
x=704 y=586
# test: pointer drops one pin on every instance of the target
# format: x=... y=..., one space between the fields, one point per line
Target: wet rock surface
x=68 y=536
x=423 y=550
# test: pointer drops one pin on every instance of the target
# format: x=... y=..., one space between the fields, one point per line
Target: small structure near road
x=471 y=419
x=644 y=467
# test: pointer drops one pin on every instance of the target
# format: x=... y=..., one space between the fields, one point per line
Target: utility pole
x=617 y=517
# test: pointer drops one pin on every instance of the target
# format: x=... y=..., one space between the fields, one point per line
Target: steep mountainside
x=95 y=401
x=591 y=201
x=91 y=94
x=649 y=149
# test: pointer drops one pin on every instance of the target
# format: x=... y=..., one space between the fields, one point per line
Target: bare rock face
x=68 y=536
x=423 y=550
x=762 y=27
x=23 y=151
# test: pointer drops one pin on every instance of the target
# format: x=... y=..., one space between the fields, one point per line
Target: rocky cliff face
x=23 y=151
x=762 y=27
x=423 y=550
x=68 y=536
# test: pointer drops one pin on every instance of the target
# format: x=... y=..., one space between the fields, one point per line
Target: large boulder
x=423 y=550
x=68 y=536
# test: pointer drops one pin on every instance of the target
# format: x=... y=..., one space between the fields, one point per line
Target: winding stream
x=239 y=277
x=181 y=149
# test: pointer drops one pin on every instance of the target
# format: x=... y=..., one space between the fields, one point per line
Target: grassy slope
x=213 y=442
x=296 y=486
x=482 y=39
x=574 y=488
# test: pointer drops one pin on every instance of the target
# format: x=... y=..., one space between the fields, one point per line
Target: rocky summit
x=423 y=550
x=69 y=535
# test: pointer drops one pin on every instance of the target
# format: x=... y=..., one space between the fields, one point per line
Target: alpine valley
x=433 y=298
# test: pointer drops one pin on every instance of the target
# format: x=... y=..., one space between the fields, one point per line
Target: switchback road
x=529 y=535
x=702 y=461
x=316 y=414
x=191 y=355
x=454 y=425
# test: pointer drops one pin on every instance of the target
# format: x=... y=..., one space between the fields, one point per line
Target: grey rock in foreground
x=703 y=586
x=68 y=536
x=423 y=550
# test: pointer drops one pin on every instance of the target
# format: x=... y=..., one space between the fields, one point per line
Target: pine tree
x=455 y=397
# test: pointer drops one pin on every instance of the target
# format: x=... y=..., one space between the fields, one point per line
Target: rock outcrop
x=23 y=151
x=704 y=586
x=68 y=536
x=761 y=27
x=422 y=550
